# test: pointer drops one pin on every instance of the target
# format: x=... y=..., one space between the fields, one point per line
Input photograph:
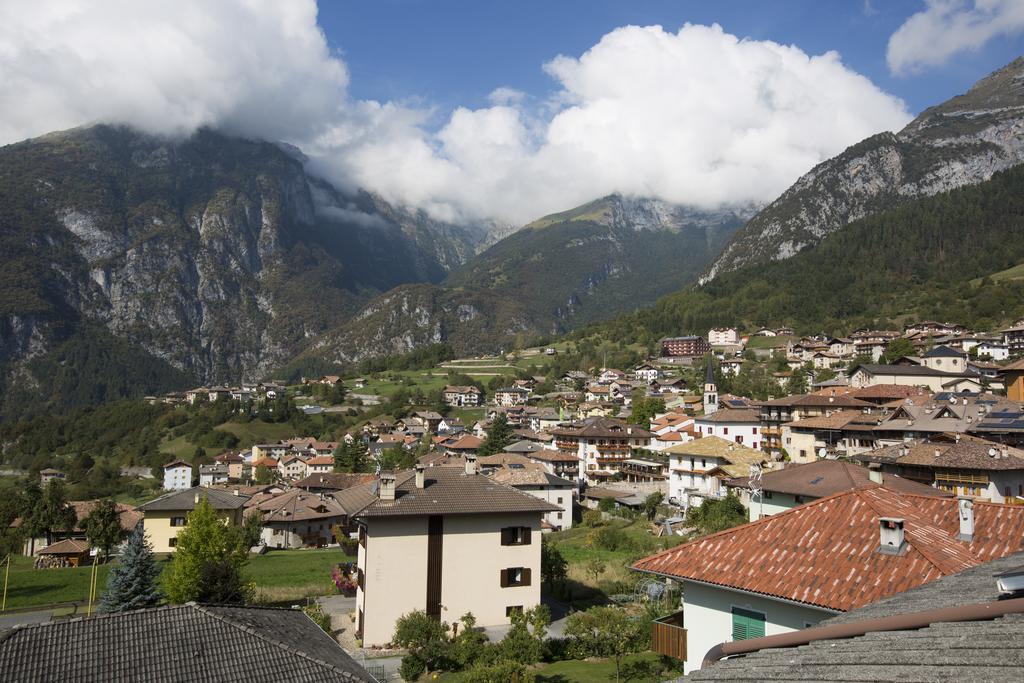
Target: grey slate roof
x=955 y=651
x=181 y=643
x=186 y=500
x=446 y=491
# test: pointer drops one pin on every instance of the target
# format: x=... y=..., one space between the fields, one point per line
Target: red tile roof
x=825 y=553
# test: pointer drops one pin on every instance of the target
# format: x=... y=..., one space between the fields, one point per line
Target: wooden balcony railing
x=668 y=637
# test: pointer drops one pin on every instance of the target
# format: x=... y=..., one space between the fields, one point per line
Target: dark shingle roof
x=905 y=370
x=450 y=491
x=943 y=352
x=824 y=477
x=181 y=643
x=186 y=500
x=955 y=651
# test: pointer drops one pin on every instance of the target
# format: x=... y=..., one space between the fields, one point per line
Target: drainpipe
x=901 y=622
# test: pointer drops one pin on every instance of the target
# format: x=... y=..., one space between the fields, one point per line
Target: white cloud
x=697 y=116
x=947 y=27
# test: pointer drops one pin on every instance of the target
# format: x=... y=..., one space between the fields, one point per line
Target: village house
x=978 y=638
x=234 y=463
x=165 y=516
x=945 y=358
x=466 y=444
x=933 y=328
x=319 y=464
x=1013 y=338
x=823 y=558
x=447 y=541
x=48 y=474
x=783 y=489
x=698 y=468
x=511 y=396
x=960 y=464
x=177 y=475
x=841 y=433
x=913 y=375
x=213 y=474
x=600 y=444
x=300 y=519
x=462 y=396
x=555 y=462
x=328 y=482
x=741 y=425
x=646 y=373
x=292 y=467
x=723 y=336
x=46 y=538
x=546 y=486
x=732 y=366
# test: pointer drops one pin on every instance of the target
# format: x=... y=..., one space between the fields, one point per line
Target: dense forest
x=933 y=258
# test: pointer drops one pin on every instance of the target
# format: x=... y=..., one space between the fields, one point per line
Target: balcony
x=668 y=637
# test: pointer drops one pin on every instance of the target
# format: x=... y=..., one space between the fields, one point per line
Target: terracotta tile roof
x=69 y=546
x=321 y=460
x=826 y=477
x=265 y=462
x=824 y=400
x=448 y=491
x=825 y=553
x=465 y=443
x=529 y=477
x=500 y=459
x=552 y=456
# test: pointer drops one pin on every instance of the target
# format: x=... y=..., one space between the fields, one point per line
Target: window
x=703 y=464
x=559 y=500
x=515 y=576
x=747 y=624
x=172 y=542
x=739 y=438
x=516 y=535
x=725 y=430
x=177 y=521
x=755 y=430
x=559 y=515
x=513 y=609
x=692 y=466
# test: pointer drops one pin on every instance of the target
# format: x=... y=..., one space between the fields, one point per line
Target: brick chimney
x=387 y=486
x=470 y=463
x=891 y=539
x=419 y=476
x=965 y=506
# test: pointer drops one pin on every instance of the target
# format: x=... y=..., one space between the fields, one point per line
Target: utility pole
x=7 y=573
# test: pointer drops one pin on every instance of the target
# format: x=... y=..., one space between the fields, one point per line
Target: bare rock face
x=960 y=142
x=216 y=257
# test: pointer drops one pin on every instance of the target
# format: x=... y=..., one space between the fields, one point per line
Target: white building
x=722 y=336
x=945 y=359
x=698 y=468
x=541 y=484
x=740 y=425
x=646 y=373
x=177 y=476
x=994 y=350
x=213 y=474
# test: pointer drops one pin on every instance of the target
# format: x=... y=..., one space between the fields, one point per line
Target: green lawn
x=580 y=671
x=279 y=576
x=1014 y=273
x=257 y=431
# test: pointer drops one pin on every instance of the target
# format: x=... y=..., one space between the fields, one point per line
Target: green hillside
x=919 y=260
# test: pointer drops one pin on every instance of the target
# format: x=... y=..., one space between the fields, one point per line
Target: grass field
x=279 y=576
x=257 y=431
x=1014 y=273
x=579 y=671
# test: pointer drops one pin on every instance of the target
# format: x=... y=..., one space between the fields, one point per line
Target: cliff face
x=217 y=258
x=960 y=142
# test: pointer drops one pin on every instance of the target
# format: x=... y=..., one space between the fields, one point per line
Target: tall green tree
x=103 y=527
x=50 y=510
x=898 y=348
x=712 y=516
x=207 y=560
x=499 y=435
x=134 y=582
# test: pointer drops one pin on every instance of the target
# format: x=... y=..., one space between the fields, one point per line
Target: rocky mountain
x=612 y=254
x=960 y=142
x=559 y=272
x=153 y=262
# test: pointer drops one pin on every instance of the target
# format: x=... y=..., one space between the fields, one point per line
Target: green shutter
x=746 y=624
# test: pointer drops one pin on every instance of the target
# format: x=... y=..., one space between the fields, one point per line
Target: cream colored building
x=164 y=517
x=447 y=541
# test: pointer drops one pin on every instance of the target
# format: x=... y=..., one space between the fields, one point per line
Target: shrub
x=316 y=613
x=412 y=667
x=499 y=672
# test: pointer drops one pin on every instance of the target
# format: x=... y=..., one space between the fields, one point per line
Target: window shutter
x=504 y=578
x=527 y=531
x=739 y=627
x=526 y=576
x=506 y=536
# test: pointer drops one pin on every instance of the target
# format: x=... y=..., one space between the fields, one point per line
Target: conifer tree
x=133 y=583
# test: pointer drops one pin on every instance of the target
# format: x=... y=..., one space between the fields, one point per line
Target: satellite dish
x=992 y=452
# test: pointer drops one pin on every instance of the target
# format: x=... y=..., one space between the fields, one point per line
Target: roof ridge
x=262 y=636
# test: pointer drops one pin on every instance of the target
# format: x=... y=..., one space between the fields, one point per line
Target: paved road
x=24 y=619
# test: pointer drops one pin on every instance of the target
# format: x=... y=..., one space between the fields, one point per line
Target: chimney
x=419 y=476
x=195 y=499
x=470 y=463
x=966 y=508
x=387 y=486
x=875 y=473
x=891 y=540
x=1005 y=452
x=235 y=492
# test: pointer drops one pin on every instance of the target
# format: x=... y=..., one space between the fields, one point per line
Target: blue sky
x=456 y=52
